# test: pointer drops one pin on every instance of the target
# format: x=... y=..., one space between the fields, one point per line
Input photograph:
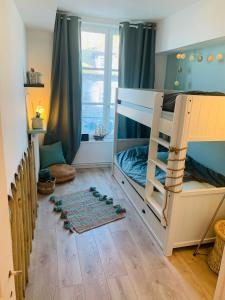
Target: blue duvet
x=133 y=162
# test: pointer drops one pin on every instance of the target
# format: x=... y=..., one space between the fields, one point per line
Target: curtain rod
x=135 y=25
x=66 y=13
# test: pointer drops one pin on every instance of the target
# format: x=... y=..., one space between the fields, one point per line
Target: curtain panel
x=136 y=69
x=64 y=122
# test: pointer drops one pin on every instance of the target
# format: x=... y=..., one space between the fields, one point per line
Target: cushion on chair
x=51 y=155
x=63 y=172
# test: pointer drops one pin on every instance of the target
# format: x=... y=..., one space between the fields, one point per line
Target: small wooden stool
x=215 y=256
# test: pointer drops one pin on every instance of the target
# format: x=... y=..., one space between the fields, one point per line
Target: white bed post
x=116 y=123
x=179 y=140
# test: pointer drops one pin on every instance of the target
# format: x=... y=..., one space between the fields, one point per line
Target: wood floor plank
x=68 y=262
x=110 y=258
x=121 y=288
x=133 y=263
x=195 y=271
x=44 y=273
x=94 y=279
x=75 y=292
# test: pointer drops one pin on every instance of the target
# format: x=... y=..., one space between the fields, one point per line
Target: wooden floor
x=116 y=261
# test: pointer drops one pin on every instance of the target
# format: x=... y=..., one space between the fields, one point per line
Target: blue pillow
x=51 y=155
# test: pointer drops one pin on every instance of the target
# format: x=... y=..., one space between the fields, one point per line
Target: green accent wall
x=203 y=76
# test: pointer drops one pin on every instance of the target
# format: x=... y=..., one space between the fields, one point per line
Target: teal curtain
x=136 y=69
x=65 y=110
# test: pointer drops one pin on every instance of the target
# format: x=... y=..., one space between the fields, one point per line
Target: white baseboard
x=93 y=165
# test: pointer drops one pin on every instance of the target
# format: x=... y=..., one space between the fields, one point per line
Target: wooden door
x=7 y=287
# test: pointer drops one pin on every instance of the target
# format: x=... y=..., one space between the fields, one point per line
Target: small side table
x=34 y=135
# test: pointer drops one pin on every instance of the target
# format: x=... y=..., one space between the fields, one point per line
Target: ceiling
x=38 y=13
x=120 y=10
x=41 y=13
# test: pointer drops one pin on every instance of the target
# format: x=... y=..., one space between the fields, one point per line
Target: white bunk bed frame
x=176 y=218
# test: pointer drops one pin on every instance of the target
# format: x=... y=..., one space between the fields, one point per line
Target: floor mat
x=86 y=210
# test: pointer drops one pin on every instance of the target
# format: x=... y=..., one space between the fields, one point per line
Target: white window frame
x=109 y=31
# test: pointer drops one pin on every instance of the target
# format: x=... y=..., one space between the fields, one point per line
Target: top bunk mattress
x=170 y=99
x=133 y=163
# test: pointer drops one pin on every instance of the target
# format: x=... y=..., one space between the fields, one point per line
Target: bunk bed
x=175 y=210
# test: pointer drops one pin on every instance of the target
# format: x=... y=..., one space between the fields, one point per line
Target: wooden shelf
x=36 y=131
x=38 y=85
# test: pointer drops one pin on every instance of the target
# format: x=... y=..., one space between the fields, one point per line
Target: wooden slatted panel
x=23 y=212
x=207 y=120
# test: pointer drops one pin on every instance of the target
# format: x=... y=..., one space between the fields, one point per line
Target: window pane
x=115 y=52
x=114 y=85
x=92 y=115
x=93 y=49
x=110 y=128
x=92 y=86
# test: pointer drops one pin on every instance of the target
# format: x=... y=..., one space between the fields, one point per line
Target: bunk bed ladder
x=174 y=168
x=152 y=198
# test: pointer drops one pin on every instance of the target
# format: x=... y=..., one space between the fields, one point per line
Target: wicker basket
x=47 y=187
x=215 y=256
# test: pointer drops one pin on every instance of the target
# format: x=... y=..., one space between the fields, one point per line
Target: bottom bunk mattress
x=133 y=163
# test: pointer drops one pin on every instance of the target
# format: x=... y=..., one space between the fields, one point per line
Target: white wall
x=39 y=57
x=94 y=153
x=198 y=23
x=12 y=94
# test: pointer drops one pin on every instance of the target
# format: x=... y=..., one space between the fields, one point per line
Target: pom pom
x=64 y=215
x=57 y=208
x=58 y=203
x=52 y=199
x=109 y=201
x=92 y=189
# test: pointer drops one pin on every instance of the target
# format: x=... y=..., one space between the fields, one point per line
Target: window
x=100 y=52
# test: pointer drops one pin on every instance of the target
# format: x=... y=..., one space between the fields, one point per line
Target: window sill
x=98 y=142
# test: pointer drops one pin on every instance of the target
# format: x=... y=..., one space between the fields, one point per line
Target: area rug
x=86 y=210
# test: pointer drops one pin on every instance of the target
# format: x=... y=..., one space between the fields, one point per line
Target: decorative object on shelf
x=37 y=122
x=100 y=133
x=210 y=58
x=219 y=57
x=33 y=78
x=215 y=256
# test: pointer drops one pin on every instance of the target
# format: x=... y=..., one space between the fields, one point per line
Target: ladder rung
x=157 y=184
x=162 y=142
x=160 y=164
